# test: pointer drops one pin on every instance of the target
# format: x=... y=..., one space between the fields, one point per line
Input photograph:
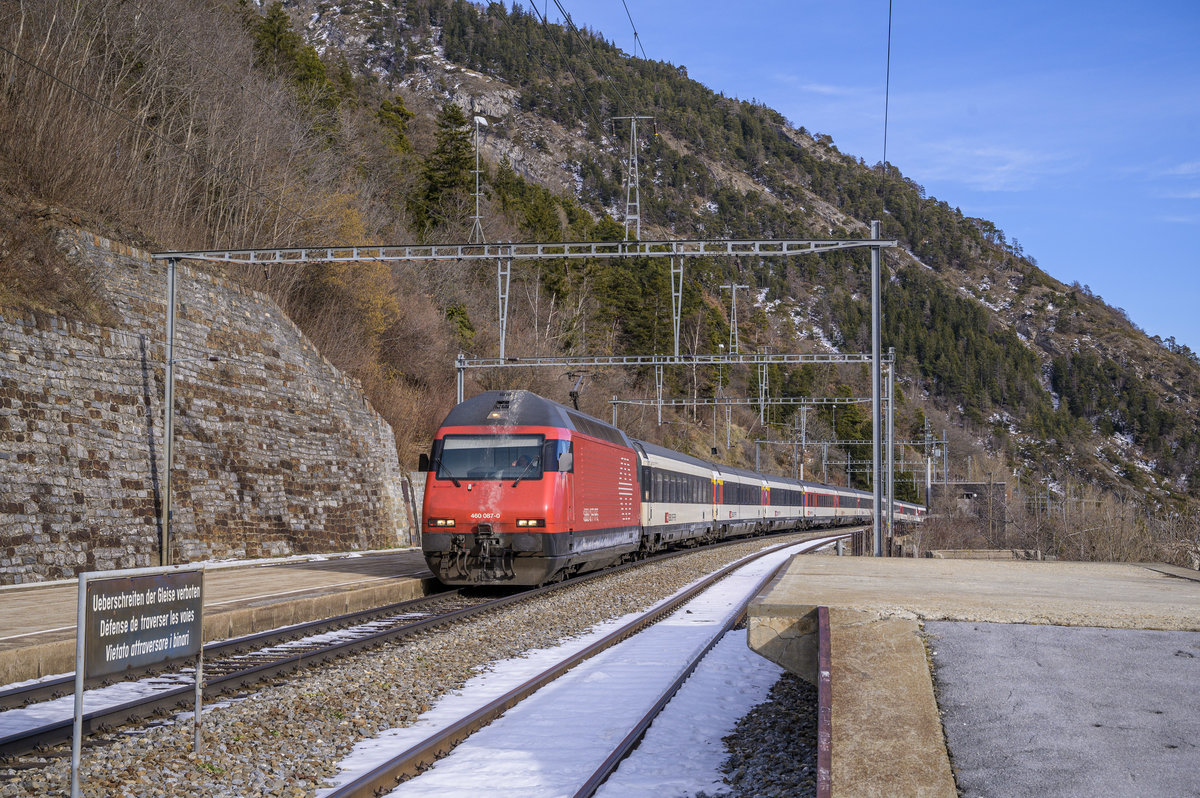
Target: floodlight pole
x=876 y=419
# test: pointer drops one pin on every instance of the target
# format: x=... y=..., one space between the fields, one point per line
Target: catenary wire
x=637 y=41
x=887 y=85
x=588 y=51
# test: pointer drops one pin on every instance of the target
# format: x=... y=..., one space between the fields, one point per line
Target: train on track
x=521 y=490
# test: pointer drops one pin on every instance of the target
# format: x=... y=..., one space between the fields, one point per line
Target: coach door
x=718 y=490
x=645 y=483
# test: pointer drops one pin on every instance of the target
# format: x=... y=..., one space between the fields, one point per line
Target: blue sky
x=1073 y=126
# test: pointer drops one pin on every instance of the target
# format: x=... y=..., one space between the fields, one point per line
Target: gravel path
x=285 y=739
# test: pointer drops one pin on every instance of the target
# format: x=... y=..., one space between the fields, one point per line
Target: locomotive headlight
x=531 y=522
x=441 y=522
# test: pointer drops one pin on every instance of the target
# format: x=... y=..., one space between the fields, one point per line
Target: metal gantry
x=391 y=253
x=658 y=362
x=504 y=253
x=729 y=402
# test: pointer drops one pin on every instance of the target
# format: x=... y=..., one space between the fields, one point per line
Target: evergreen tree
x=448 y=171
x=276 y=45
x=280 y=49
x=394 y=117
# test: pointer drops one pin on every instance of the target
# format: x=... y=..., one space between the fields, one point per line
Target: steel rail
x=421 y=756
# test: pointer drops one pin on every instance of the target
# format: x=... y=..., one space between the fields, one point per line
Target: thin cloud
x=830 y=90
x=823 y=89
x=987 y=167
x=1189 y=168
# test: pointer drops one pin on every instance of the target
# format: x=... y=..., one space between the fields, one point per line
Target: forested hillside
x=226 y=124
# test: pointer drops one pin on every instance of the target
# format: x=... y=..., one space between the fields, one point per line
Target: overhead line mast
x=476 y=236
x=633 y=198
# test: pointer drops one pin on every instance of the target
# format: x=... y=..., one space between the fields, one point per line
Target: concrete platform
x=887 y=737
x=37 y=622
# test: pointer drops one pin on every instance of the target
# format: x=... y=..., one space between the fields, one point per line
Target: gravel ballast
x=773 y=750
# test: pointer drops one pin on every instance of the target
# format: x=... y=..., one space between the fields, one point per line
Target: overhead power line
x=571 y=69
x=589 y=53
x=887 y=86
x=637 y=42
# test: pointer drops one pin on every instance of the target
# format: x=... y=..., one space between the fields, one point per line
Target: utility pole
x=891 y=438
x=164 y=546
x=803 y=438
x=929 y=453
x=945 y=463
x=633 y=198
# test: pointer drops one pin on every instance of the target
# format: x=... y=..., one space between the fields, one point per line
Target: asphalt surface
x=1033 y=710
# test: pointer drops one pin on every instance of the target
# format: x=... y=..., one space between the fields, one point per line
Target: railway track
x=243 y=662
x=214 y=653
x=240 y=664
x=419 y=757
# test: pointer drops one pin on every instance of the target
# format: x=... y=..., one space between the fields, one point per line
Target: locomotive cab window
x=558 y=456
x=490 y=457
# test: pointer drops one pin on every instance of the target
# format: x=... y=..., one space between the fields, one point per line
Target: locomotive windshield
x=489 y=457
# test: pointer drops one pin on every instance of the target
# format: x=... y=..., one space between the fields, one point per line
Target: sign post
x=132 y=619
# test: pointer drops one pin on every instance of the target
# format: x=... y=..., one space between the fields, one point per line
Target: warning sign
x=134 y=622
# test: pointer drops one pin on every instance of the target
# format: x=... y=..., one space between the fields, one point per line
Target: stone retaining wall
x=276 y=451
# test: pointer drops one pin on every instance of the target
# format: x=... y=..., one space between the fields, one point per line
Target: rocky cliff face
x=276 y=452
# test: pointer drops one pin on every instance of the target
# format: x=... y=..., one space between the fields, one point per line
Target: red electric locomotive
x=521 y=490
